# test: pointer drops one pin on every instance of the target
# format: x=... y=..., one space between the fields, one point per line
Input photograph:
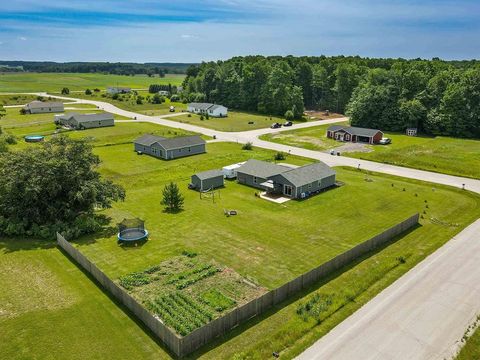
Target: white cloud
x=23 y=38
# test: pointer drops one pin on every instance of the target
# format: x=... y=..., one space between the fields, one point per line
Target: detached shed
x=206 y=180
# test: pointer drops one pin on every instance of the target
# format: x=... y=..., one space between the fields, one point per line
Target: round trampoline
x=34 y=138
x=131 y=230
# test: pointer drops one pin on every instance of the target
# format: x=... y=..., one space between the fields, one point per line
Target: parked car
x=385 y=141
x=276 y=125
x=288 y=123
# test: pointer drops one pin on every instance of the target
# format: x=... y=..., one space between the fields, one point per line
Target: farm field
x=54 y=82
x=19 y=99
x=439 y=154
x=235 y=121
x=49 y=309
x=309 y=138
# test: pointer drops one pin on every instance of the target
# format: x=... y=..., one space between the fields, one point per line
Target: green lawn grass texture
x=255 y=244
x=471 y=349
x=439 y=154
x=55 y=82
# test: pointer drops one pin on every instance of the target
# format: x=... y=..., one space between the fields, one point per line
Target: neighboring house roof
x=148 y=139
x=308 y=174
x=119 y=88
x=87 y=117
x=201 y=106
x=209 y=174
x=261 y=169
x=355 y=130
x=335 y=128
x=206 y=106
x=214 y=107
x=180 y=142
x=40 y=104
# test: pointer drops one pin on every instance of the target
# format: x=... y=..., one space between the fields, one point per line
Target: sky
x=194 y=31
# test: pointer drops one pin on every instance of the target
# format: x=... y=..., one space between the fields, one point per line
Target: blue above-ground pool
x=133 y=235
x=34 y=138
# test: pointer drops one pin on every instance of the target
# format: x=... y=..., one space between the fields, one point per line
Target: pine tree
x=172 y=198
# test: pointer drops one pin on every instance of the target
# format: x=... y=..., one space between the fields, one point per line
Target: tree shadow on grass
x=237 y=331
x=12 y=244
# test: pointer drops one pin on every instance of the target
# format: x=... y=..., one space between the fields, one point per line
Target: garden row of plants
x=180 y=312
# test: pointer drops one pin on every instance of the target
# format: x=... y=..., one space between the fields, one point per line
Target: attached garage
x=207 y=180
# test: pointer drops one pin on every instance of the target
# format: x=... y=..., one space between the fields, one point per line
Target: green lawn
x=236 y=121
x=128 y=102
x=18 y=99
x=471 y=348
x=440 y=154
x=54 y=82
x=49 y=309
x=309 y=138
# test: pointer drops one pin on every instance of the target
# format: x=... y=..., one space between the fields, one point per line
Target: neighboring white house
x=164 y=93
x=118 y=90
x=38 y=107
x=212 y=110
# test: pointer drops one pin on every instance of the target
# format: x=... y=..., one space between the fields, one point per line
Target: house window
x=255 y=179
x=309 y=186
x=189 y=149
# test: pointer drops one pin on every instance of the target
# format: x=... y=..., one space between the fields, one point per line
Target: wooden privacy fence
x=182 y=346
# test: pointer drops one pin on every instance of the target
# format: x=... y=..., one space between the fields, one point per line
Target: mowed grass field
x=49 y=309
x=54 y=82
x=235 y=121
x=280 y=241
x=294 y=236
x=439 y=154
x=128 y=102
x=308 y=138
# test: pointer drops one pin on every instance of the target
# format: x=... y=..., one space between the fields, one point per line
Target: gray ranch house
x=212 y=110
x=170 y=148
x=118 y=90
x=295 y=183
x=41 y=107
x=207 y=180
x=85 y=121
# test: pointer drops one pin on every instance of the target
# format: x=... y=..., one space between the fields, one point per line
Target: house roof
x=180 y=142
x=215 y=106
x=209 y=174
x=307 y=174
x=41 y=104
x=355 y=130
x=201 y=106
x=148 y=139
x=82 y=118
x=261 y=169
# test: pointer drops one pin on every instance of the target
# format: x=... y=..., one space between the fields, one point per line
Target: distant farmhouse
x=276 y=179
x=85 y=121
x=164 y=93
x=40 y=107
x=212 y=110
x=354 y=134
x=118 y=90
x=169 y=148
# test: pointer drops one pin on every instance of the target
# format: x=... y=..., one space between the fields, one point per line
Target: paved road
x=423 y=315
x=420 y=316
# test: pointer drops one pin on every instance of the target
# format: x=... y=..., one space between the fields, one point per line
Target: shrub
x=139 y=101
x=172 y=198
x=23 y=111
x=201 y=117
x=65 y=91
x=9 y=139
x=289 y=115
x=96 y=90
x=247 y=146
x=279 y=156
x=88 y=92
x=115 y=96
x=175 y=98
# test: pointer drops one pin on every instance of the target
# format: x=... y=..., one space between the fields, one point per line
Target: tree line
x=436 y=96
x=96 y=67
